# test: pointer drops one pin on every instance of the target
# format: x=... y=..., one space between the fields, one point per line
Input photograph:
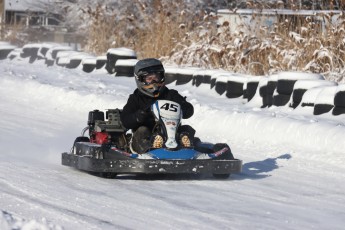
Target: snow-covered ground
x=293 y=163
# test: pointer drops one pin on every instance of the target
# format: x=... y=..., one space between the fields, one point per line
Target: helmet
x=144 y=68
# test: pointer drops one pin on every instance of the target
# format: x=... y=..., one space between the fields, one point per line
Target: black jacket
x=138 y=100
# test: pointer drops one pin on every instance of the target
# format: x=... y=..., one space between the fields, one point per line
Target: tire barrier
x=89 y=64
x=232 y=84
x=204 y=76
x=63 y=57
x=15 y=54
x=5 y=49
x=185 y=75
x=125 y=67
x=52 y=52
x=324 y=102
x=251 y=87
x=301 y=91
x=198 y=78
x=339 y=101
x=170 y=74
x=285 y=85
x=115 y=54
x=30 y=51
x=309 y=97
x=101 y=61
x=76 y=58
x=270 y=89
x=301 y=86
x=259 y=98
x=180 y=76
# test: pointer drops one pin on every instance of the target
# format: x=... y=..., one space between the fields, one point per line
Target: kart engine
x=107 y=131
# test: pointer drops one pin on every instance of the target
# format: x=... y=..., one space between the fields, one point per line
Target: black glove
x=141 y=115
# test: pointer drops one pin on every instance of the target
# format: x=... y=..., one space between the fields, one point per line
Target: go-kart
x=107 y=150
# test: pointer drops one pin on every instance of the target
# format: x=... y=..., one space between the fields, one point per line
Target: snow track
x=293 y=172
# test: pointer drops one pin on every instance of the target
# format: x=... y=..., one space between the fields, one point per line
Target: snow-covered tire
x=322 y=108
x=339 y=103
x=74 y=63
x=220 y=87
x=285 y=86
x=251 y=89
x=124 y=71
x=197 y=80
x=213 y=82
x=170 y=78
x=281 y=99
x=271 y=86
x=88 y=68
x=182 y=79
x=297 y=96
x=4 y=53
x=234 y=89
x=337 y=110
x=100 y=64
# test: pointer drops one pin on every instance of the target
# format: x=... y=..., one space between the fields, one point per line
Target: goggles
x=151 y=78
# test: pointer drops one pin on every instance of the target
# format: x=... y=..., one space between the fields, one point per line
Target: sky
x=293 y=161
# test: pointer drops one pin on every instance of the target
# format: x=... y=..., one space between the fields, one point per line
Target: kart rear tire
x=82 y=139
x=221 y=176
x=108 y=175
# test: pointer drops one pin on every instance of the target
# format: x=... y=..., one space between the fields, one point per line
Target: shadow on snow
x=260 y=169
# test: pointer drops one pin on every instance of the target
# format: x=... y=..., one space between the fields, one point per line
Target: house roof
x=29 y=5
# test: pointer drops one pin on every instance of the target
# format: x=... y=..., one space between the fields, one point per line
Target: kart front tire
x=221 y=176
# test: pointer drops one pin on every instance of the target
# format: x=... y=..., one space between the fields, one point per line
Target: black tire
x=251 y=89
x=225 y=156
x=322 y=108
x=74 y=63
x=206 y=79
x=197 y=80
x=339 y=99
x=281 y=99
x=263 y=91
x=271 y=86
x=82 y=139
x=337 y=110
x=170 y=78
x=4 y=53
x=108 y=175
x=285 y=86
x=182 y=79
x=88 y=68
x=220 y=87
x=124 y=71
x=234 y=89
x=79 y=139
x=221 y=176
x=297 y=96
x=213 y=82
x=100 y=63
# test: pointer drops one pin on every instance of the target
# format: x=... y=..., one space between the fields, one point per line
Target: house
x=30 y=12
x=253 y=19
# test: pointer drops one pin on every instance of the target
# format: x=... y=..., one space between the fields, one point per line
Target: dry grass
x=186 y=38
x=301 y=45
x=152 y=31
